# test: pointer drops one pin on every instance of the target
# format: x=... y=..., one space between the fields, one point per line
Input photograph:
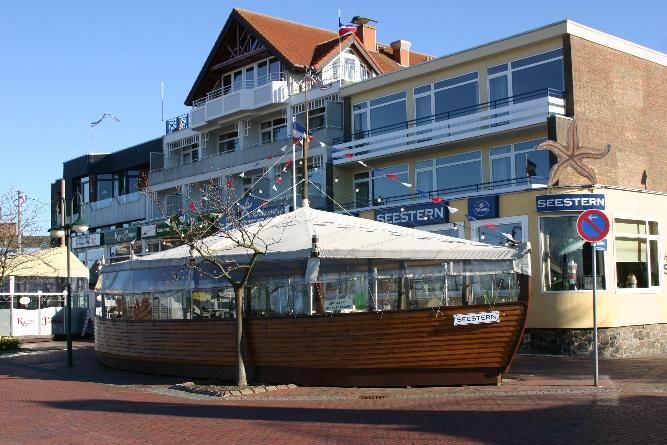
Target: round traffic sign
x=593 y=225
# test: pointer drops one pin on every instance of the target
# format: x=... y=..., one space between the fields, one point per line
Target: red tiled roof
x=299 y=45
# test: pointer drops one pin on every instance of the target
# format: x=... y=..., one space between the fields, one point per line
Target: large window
x=455 y=174
x=520 y=161
x=447 y=98
x=125 y=182
x=273 y=130
x=104 y=186
x=190 y=153
x=387 y=183
x=228 y=142
x=500 y=231
x=637 y=253
x=567 y=262
x=525 y=76
x=381 y=115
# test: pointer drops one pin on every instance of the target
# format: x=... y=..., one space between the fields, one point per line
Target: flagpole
x=340 y=60
x=162 y=95
x=293 y=167
x=305 y=142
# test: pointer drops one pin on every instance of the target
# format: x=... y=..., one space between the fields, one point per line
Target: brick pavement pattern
x=547 y=400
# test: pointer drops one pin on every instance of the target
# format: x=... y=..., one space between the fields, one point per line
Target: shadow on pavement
x=607 y=419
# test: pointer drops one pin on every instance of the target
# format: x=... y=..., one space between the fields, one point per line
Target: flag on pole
x=298 y=133
x=344 y=30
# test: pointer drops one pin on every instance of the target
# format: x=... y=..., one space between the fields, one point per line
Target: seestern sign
x=476 y=318
x=569 y=202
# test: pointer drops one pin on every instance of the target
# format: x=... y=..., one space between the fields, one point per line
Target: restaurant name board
x=483 y=207
x=569 y=202
x=413 y=215
x=476 y=318
x=119 y=236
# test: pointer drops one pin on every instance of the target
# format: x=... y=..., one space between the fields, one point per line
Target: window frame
x=432 y=90
x=605 y=258
x=512 y=155
x=434 y=168
x=648 y=237
x=521 y=219
x=366 y=107
x=273 y=125
x=222 y=139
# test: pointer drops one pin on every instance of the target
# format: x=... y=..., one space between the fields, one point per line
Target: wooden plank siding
x=401 y=348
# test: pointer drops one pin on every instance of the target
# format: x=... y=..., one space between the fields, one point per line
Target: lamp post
x=58 y=231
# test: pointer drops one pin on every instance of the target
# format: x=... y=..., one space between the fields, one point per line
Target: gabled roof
x=297 y=45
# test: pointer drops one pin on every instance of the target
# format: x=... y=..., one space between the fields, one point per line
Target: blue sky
x=66 y=63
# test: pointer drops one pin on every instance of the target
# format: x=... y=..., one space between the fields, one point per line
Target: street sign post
x=593 y=226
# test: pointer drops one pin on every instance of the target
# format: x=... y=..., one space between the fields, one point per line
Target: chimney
x=368 y=36
x=401 y=51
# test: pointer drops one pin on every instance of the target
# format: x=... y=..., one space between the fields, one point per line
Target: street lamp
x=58 y=231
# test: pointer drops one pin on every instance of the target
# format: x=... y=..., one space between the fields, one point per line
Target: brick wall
x=621 y=100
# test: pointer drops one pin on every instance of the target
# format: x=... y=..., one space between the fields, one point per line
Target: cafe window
x=637 y=253
x=125 y=251
x=500 y=231
x=273 y=130
x=566 y=259
x=381 y=115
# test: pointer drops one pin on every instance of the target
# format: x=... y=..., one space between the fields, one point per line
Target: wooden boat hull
x=418 y=348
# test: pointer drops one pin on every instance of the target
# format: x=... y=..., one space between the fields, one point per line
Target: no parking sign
x=593 y=225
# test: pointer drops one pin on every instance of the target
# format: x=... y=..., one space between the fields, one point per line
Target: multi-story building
x=451 y=145
x=108 y=191
x=252 y=86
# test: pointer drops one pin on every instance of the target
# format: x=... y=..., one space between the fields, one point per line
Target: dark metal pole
x=68 y=318
x=305 y=142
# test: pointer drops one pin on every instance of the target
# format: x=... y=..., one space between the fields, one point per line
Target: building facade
x=255 y=83
x=451 y=145
x=108 y=190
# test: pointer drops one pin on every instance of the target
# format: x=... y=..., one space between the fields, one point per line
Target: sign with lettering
x=120 y=236
x=340 y=304
x=89 y=240
x=413 y=215
x=483 y=207
x=569 y=202
x=476 y=318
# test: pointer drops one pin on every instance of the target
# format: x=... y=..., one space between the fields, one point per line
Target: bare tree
x=20 y=231
x=223 y=244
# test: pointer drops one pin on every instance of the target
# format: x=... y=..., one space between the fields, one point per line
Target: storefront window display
x=637 y=253
x=567 y=262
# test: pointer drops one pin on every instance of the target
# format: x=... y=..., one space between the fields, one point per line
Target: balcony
x=130 y=207
x=164 y=170
x=480 y=120
x=505 y=185
x=241 y=96
x=178 y=123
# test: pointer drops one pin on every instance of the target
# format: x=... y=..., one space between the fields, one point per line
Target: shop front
x=631 y=263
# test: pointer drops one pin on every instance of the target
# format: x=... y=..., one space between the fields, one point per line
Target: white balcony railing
x=238 y=97
x=480 y=120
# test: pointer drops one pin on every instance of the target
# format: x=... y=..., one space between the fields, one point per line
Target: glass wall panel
x=566 y=258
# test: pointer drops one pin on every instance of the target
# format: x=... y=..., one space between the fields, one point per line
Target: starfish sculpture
x=572 y=155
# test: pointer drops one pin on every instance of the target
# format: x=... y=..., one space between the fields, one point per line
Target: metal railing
x=473 y=109
x=177 y=123
x=446 y=193
x=240 y=85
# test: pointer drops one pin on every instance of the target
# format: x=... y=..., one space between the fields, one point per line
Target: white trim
x=614 y=234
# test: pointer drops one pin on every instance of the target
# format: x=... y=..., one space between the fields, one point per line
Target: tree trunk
x=241 y=374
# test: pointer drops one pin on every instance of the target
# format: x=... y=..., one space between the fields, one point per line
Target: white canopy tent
x=291 y=236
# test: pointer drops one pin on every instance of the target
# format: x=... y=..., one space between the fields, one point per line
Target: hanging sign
x=476 y=318
x=569 y=202
x=483 y=207
x=90 y=240
x=413 y=215
x=593 y=225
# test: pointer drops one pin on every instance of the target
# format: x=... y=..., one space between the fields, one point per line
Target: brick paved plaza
x=546 y=400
